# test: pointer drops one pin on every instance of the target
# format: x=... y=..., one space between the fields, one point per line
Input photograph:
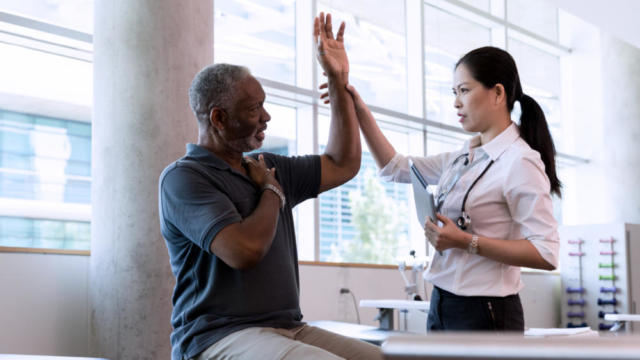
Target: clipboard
x=425 y=205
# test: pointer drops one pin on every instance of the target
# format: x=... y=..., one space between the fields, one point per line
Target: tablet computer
x=425 y=205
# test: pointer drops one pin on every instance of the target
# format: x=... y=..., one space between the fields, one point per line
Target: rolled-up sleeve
x=431 y=167
x=396 y=170
x=528 y=196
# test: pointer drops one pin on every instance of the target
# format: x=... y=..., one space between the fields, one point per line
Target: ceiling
x=616 y=17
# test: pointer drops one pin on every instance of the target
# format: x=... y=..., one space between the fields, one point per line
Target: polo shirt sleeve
x=298 y=175
x=528 y=196
x=194 y=206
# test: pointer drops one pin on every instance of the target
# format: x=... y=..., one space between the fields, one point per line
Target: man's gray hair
x=214 y=86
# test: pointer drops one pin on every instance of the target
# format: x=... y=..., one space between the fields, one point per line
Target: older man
x=228 y=224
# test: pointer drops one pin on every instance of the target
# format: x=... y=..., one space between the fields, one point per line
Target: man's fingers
x=316 y=29
x=323 y=86
x=321 y=28
x=319 y=34
x=251 y=162
x=328 y=27
x=324 y=95
x=340 y=36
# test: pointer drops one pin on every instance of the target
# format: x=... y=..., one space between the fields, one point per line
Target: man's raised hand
x=331 y=53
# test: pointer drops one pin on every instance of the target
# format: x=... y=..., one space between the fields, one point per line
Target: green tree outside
x=381 y=223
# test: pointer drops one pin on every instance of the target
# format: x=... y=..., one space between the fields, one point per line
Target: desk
x=386 y=307
x=622 y=317
x=621 y=321
x=478 y=346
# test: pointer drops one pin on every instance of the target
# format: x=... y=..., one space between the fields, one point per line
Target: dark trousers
x=452 y=312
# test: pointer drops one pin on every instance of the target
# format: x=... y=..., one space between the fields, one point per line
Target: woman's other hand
x=447 y=236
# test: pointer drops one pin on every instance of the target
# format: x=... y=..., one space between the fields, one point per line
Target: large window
x=45 y=181
x=45 y=133
x=401 y=52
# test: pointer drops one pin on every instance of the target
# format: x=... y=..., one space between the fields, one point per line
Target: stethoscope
x=464 y=220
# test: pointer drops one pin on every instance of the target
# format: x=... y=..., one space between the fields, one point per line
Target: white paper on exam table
x=423 y=197
x=547 y=332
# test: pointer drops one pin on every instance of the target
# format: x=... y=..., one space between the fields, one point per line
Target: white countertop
x=622 y=317
x=395 y=304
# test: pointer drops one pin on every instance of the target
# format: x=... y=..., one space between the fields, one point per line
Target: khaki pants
x=304 y=342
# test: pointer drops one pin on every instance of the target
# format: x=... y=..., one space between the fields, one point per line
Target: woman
x=494 y=197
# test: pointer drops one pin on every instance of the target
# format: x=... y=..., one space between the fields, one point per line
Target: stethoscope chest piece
x=463 y=221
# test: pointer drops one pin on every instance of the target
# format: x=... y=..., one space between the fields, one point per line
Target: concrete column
x=145 y=54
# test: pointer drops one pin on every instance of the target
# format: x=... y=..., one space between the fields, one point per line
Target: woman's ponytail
x=535 y=131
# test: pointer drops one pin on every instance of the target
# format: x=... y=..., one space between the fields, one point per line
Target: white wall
x=600 y=94
x=621 y=91
x=43 y=304
x=44 y=310
x=583 y=113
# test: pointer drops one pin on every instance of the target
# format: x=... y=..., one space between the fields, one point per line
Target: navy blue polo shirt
x=200 y=194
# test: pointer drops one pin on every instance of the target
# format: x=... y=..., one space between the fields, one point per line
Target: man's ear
x=501 y=95
x=218 y=118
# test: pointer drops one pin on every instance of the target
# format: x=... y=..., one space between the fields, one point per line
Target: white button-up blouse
x=511 y=200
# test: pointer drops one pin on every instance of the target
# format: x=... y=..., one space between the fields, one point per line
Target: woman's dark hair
x=490 y=66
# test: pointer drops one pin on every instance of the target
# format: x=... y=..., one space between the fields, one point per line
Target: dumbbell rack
x=575 y=291
x=597 y=273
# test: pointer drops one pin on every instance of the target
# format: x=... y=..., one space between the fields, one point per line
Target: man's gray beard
x=242 y=145
x=239 y=145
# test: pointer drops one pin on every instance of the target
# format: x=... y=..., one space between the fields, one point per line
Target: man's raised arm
x=341 y=159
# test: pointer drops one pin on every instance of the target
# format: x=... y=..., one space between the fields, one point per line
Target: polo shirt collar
x=498 y=145
x=205 y=156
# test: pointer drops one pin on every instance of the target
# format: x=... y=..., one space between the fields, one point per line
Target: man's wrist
x=277 y=191
x=340 y=79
